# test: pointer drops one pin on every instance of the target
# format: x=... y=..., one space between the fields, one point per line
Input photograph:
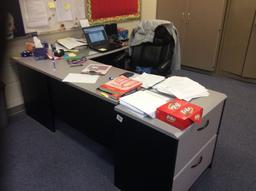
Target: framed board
x=103 y=11
x=51 y=15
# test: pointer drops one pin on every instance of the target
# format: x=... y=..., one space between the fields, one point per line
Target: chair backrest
x=157 y=54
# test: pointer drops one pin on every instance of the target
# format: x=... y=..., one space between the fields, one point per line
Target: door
x=203 y=33
x=174 y=11
x=249 y=70
x=237 y=32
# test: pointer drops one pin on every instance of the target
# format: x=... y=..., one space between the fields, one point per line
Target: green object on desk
x=70 y=58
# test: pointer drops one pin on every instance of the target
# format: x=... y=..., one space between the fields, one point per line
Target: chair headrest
x=162 y=35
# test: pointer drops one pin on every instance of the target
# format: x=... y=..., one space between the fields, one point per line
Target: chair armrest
x=122 y=60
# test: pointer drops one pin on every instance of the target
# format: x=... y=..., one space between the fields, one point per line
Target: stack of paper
x=144 y=103
x=182 y=88
x=148 y=80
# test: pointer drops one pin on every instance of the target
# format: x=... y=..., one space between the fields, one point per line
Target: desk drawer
x=191 y=142
x=188 y=175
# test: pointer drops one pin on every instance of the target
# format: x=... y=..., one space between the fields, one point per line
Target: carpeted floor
x=36 y=159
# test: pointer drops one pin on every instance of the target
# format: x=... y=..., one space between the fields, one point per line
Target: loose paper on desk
x=182 y=87
x=144 y=102
x=81 y=78
x=148 y=80
x=58 y=47
x=70 y=42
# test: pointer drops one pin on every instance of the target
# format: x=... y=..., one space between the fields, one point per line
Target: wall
x=148 y=11
x=15 y=46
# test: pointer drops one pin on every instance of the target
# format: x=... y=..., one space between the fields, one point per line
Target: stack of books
x=119 y=87
x=148 y=80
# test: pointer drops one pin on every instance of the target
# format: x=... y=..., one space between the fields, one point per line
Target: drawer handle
x=204 y=125
x=199 y=162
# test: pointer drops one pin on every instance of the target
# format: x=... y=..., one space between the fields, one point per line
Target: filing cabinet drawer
x=191 y=142
x=188 y=175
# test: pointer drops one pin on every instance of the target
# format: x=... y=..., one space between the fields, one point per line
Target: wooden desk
x=149 y=154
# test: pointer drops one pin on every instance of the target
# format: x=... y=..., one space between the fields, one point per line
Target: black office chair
x=156 y=55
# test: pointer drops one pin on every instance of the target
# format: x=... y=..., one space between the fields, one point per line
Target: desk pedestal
x=144 y=157
x=36 y=90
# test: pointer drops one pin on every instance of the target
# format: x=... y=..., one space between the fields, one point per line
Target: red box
x=179 y=113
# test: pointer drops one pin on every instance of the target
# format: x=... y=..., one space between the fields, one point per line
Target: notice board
x=51 y=15
x=103 y=11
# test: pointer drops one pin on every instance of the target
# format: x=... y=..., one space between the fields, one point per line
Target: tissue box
x=41 y=53
x=180 y=113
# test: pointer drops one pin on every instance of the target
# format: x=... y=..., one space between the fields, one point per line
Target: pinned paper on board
x=36 y=17
x=48 y=15
x=78 y=9
x=67 y=6
x=63 y=10
x=51 y=5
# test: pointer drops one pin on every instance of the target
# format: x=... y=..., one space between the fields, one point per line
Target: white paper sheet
x=36 y=13
x=63 y=10
x=144 y=102
x=84 y=23
x=81 y=78
x=148 y=80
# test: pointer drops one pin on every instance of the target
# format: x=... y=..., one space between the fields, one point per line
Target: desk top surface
x=90 y=54
x=63 y=69
x=207 y=103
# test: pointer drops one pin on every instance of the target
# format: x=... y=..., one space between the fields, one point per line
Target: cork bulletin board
x=103 y=11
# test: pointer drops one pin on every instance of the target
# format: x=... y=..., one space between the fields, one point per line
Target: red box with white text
x=180 y=113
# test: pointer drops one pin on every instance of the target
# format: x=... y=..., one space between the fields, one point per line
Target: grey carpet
x=39 y=160
x=36 y=159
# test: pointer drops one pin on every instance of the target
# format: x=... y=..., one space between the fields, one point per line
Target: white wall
x=15 y=46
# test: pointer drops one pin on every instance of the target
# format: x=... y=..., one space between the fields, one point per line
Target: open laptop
x=97 y=39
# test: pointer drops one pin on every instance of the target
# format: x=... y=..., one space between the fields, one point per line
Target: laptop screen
x=95 y=34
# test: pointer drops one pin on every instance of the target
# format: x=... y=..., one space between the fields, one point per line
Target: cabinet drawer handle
x=199 y=162
x=204 y=125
